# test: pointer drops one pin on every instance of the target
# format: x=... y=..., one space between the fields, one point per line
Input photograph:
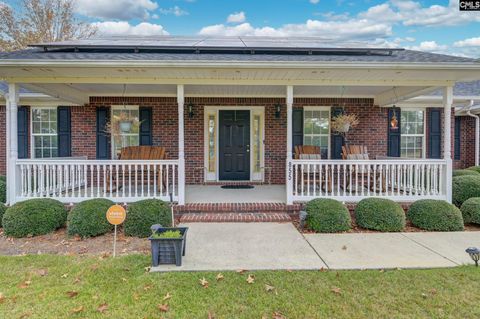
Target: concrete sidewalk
x=256 y=246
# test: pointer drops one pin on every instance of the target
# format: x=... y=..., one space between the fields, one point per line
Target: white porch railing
x=72 y=180
x=353 y=180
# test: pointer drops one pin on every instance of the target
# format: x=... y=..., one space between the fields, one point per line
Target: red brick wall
x=467 y=143
x=371 y=131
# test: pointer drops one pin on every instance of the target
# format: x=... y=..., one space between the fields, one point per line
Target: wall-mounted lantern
x=278 y=109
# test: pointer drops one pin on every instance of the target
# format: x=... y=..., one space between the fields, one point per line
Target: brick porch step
x=235 y=217
x=236 y=212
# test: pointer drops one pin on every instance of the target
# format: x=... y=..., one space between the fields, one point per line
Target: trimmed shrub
x=34 y=217
x=471 y=210
x=474 y=168
x=3 y=208
x=3 y=189
x=328 y=216
x=88 y=218
x=463 y=172
x=380 y=214
x=430 y=214
x=465 y=187
x=143 y=214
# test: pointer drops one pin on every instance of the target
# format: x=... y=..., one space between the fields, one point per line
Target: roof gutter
x=477 y=131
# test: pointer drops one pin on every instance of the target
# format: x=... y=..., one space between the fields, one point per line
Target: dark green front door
x=234 y=145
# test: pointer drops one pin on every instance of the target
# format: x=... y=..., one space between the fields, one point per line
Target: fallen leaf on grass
x=250 y=279
x=147 y=269
x=433 y=291
x=219 y=277
x=424 y=295
x=204 y=282
x=323 y=269
x=25 y=315
x=278 y=315
x=269 y=288
x=77 y=280
x=24 y=284
x=64 y=276
x=163 y=307
x=102 y=308
x=72 y=294
x=2 y=297
x=135 y=296
x=42 y=272
x=77 y=309
x=336 y=290
x=124 y=279
x=211 y=315
x=167 y=296
x=241 y=271
x=147 y=287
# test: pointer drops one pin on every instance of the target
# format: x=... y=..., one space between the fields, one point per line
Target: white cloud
x=471 y=42
x=314 y=1
x=176 y=10
x=125 y=28
x=237 y=17
x=117 y=9
x=430 y=46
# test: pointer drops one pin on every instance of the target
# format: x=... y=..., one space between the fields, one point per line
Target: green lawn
x=38 y=286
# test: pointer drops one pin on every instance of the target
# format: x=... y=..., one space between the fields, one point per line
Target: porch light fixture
x=190 y=110
x=278 y=109
x=474 y=253
x=394 y=120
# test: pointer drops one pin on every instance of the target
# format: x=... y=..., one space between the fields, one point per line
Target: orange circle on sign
x=116 y=215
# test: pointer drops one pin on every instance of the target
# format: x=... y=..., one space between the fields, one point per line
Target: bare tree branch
x=40 y=21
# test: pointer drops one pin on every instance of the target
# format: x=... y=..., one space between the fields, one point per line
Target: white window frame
x=320 y=108
x=32 y=135
x=424 y=135
x=121 y=107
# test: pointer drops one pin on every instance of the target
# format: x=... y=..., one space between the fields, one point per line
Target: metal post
x=115 y=242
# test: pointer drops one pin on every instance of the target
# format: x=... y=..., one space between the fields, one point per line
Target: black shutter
x=394 y=134
x=146 y=126
x=337 y=139
x=458 y=130
x=434 y=133
x=22 y=131
x=297 y=127
x=64 y=131
x=103 y=138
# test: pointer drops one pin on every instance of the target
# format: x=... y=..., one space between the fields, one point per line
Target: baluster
x=308 y=179
x=117 y=180
x=350 y=187
x=369 y=177
x=338 y=166
x=123 y=180
x=174 y=191
x=167 y=187
x=399 y=175
x=320 y=177
x=129 y=181
x=356 y=179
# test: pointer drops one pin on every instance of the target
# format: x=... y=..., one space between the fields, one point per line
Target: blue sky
x=433 y=25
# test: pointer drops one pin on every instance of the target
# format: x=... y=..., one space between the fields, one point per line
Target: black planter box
x=168 y=250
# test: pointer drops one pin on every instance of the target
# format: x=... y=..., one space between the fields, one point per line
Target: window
x=125 y=127
x=257 y=143
x=412 y=128
x=44 y=132
x=316 y=129
x=212 y=142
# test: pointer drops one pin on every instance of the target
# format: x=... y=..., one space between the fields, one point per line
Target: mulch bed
x=59 y=243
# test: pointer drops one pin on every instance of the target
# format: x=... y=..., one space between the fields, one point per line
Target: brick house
x=231 y=112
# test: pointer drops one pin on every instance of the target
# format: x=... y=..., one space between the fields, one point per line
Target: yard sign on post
x=116 y=215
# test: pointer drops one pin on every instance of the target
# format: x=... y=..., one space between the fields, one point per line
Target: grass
x=130 y=292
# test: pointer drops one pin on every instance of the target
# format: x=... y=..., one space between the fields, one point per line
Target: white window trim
x=120 y=107
x=254 y=110
x=32 y=135
x=320 y=108
x=424 y=136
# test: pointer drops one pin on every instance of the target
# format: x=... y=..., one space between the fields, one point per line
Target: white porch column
x=12 y=142
x=289 y=166
x=181 y=145
x=447 y=146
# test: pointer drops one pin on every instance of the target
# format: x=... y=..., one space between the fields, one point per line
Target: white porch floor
x=216 y=194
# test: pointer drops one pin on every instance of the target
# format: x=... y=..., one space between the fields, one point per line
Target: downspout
x=477 y=131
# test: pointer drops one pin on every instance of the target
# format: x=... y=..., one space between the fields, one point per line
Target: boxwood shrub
x=143 y=214
x=328 y=216
x=380 y=214
x=3 y=189
x=34 y=217
x=474 y=168
x=2 y=212
x=88 y=218
x=437 y=215
x=465 y=187
x=471 y=210
x=463 y=172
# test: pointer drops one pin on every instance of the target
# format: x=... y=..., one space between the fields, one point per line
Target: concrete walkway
x=257 y=246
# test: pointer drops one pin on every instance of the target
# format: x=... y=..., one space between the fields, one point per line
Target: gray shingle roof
x=403 y=56
x=462 y=89
x=4 y=88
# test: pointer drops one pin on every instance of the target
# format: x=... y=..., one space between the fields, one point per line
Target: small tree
x=40 y=21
